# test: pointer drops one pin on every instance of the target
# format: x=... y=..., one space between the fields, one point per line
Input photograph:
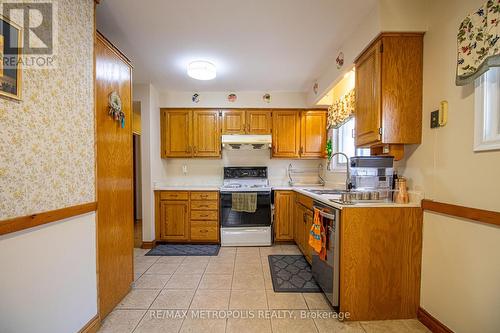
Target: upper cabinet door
x=206 y=133
x=368 y=99
x=233 y=122
x=313 y=134
x=176 y=133
x=258 y=122
x=286 y=133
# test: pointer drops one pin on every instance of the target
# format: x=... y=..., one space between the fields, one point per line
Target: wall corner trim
x=479 y=215
x=434 y=325
x=92 y=326
x=29 y=221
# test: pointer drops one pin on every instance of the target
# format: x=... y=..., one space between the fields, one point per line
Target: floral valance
x=478 y=43
x=342 y=110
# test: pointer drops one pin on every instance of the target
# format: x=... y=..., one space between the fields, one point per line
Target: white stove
x=246 y=228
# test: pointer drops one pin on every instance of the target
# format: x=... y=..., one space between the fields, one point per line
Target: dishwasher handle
x=326 y=215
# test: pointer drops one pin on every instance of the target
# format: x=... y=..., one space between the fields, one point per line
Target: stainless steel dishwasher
x=326 y=272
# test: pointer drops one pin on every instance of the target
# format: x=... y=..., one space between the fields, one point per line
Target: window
x=343 y=141
x=487 y=111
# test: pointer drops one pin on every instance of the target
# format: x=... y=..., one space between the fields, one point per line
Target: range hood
x=246 y=142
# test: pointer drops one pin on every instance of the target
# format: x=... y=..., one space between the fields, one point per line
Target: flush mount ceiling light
x=202 y=70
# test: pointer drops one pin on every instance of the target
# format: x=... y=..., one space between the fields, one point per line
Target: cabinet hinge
x=380 y=130
x=381 y=47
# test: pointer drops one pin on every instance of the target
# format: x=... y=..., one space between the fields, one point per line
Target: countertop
x=415 y=198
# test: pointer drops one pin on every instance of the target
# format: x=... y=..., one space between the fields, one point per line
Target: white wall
x=48 y=277
x=461 y=270
x=247 y=99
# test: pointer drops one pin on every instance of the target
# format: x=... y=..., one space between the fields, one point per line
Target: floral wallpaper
x=47 y=138
x=478 y=42
x=341 y=110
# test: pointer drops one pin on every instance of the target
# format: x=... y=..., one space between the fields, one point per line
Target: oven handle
x=326 y=215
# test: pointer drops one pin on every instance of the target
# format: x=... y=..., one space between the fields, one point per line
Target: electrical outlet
x=184 y=169
x=435 y=119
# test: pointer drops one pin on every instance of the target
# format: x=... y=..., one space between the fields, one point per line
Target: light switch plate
x=435 y=119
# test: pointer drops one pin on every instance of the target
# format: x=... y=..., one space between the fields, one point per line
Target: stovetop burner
x=245 y=179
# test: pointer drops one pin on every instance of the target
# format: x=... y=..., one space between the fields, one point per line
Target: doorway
x=136 y=140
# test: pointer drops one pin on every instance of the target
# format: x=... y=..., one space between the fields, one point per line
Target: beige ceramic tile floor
x=231 y=292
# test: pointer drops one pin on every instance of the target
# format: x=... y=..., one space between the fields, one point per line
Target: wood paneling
x=313 y=134
x=114 y=173
x=233 y=121
x=401 y=90
x=284 y=202
x=176 y=133
x=474 y=214
x=434 y=325
x=380 y=262
x=258 y=121
x=174 y=220
x=286 y=134
x=30 y=221
x=206 y=133
x=368 y=99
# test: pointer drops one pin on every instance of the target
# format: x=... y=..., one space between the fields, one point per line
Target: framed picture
x=10 y=59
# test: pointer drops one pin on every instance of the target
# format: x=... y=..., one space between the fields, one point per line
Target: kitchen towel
x=244 y=202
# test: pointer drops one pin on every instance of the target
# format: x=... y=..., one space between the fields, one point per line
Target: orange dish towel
x=315 y=232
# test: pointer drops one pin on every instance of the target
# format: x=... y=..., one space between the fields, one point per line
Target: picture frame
x=10 y=59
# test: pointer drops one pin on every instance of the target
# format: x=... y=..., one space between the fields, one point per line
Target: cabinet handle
x=204 y=196
x=204 y=231
x=203 y=206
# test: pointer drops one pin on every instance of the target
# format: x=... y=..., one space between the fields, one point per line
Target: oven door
x=260 y=218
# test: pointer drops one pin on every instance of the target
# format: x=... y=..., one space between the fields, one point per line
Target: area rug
x=184 y=250
x=292 y=274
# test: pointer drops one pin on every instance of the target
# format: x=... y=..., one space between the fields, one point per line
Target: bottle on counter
x=401 y=191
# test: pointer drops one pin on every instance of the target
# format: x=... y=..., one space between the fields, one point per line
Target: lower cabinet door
x=174 y=220
x=204 y=231
x=308 y=222
x=284 y=215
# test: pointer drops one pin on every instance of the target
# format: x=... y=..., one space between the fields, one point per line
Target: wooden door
x=368 y=97
x=206 y=133
x=176 y=133
x=114 y=171
x=284 y=215
x=174 y=220
x=258 y=122
x=286 y=133
x=313 y=134
x=233 y=122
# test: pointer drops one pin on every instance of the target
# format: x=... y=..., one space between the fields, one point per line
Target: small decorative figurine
x=232 y=97
x=195 y=98
x=115 y=108
x=340 y=60
x=266 y=98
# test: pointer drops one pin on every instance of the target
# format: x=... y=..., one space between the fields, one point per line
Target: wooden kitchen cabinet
x=313 y=134
x=256 y=121
x=284 y=202
x=206 y=133
x=286 y=134
x=174 y=220
x=187 y=216
x=303 y=222
x=233 y=121
x=190 y=133
x=176 y=133
x=389 y=91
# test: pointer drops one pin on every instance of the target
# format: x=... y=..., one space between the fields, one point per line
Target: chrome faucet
x=348 y=172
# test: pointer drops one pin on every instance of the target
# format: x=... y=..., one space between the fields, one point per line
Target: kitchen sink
x=330 y=192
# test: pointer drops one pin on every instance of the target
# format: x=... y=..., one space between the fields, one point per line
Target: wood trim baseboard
x=434 y=325
x=92 y=326
x=480 y=215
x=30 y=221
x=148 y=245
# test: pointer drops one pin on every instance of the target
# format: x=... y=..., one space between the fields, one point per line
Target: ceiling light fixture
x=202 y=70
